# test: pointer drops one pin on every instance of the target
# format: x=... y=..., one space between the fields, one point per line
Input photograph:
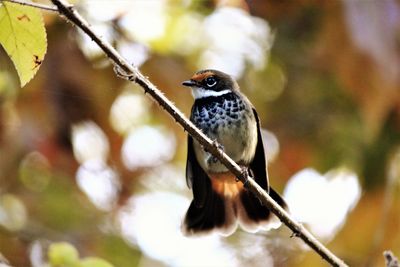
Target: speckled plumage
x=229 y=119
x=213 y=111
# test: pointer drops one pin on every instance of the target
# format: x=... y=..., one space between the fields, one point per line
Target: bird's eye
x=211 y=81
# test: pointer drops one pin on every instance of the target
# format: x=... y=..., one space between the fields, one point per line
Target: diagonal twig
x=133 y=74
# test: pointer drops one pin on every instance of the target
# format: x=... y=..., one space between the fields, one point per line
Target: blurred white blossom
x=100 y=183
x=322 y=202
x=134 y=53
x=13 y=214
x=89 y=142
x=94 y=177
x=228 y=39
x=271 y=144
x=128 y=110
x=135 y=21
x=148 y=146
x=88 y=46
x=37 y=254
x=374 y=28
x=104 y=11
x=153 y=222
x=145 y=20
x=166 y=177
x=233 y=39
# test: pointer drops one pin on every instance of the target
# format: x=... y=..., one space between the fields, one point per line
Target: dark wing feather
x=259 y=164
x=196 y=178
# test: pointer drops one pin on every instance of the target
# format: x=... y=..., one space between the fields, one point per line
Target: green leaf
x=23 y=37
x=63 y=254
x=94 y=262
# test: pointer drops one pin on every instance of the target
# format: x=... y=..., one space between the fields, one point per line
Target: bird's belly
x=238 y=139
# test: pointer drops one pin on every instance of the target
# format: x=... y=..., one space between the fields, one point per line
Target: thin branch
x=32 y=4
x=133 y=74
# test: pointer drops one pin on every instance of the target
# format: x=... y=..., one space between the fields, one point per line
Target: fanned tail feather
x=224 y=210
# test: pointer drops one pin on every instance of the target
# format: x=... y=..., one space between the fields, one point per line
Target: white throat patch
x=201 y=93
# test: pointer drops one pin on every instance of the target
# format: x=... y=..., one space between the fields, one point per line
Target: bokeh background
x=88 y=159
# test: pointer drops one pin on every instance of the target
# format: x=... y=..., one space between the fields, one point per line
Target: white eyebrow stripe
x=201 y=93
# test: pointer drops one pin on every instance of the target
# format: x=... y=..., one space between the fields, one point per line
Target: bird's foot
x=218 y=145
x=246 y=173
x=215 y=144
x=211 y=159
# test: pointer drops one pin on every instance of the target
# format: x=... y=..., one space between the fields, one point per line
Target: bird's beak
x=189 y=83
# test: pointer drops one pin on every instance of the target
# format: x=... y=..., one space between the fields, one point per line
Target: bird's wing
x=196 y=178
x=259 y=164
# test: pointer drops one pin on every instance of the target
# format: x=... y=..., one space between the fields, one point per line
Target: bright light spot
x=256 y=250
x=134 y=53
x=142 y=21
x=234 y=39
x=153 y=222
x=222 y=60
x=89 y=142
x=166 y=177
x=271 y=144
x=185 y=42
x=36 y=254
x=228 y=39
x=322 y=202
x=105 y=10
x=13 y=215
x=373 y=27
x=128 y=110
x=88 y=46
x=148 y=146
x=3 y=261
x=100 y=183
x=34 y=171
x=394 y=169
x=145 y=20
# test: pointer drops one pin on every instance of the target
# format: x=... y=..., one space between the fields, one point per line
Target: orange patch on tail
x=225 y=184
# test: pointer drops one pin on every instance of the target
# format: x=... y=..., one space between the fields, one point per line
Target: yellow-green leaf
x=23 y=36
x=63 y=254
x=94 y=262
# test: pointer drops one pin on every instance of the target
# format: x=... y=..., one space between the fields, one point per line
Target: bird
x=221 y=203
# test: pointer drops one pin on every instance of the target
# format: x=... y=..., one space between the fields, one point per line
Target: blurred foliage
x=65 y=255
x=329 y=91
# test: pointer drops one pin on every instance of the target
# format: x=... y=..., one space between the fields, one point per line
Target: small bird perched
x=219 y=203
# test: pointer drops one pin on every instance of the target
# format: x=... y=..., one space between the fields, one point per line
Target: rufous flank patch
x=226 y=184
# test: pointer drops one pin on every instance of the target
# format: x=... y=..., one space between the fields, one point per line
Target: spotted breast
x=229 y=120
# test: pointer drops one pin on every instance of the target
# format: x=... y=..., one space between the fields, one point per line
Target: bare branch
x=31 y=4
x=127 y=71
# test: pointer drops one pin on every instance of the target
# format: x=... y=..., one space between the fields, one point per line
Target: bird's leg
x=246 y=173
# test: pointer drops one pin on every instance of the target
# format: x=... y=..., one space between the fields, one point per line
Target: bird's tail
x=253 y=216
x=228 y=204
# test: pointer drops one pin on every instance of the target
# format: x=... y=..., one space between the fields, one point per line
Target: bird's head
x=207 y=83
